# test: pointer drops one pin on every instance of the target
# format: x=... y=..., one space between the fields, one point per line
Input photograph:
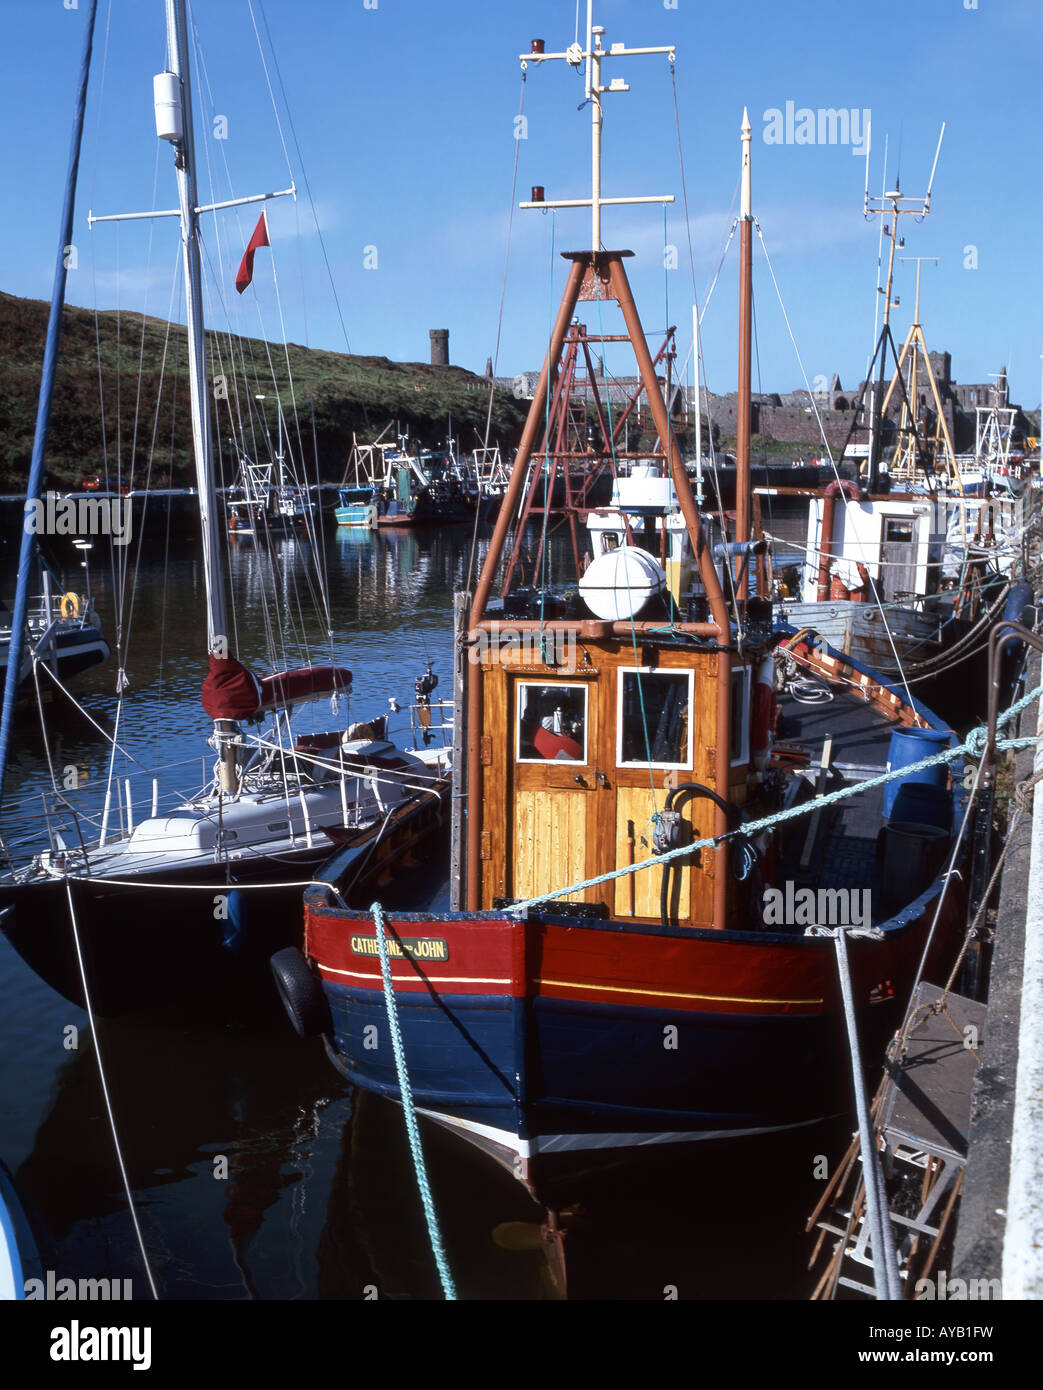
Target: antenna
x=934 y=166
x=593 y=55
x=894 y=204
x=894 y=201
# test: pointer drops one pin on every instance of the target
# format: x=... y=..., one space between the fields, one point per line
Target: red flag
x=245 y=272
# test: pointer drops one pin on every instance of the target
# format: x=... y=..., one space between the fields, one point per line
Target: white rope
x=105 y=1092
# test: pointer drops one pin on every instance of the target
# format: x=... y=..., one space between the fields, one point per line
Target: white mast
x=216 y=612
x=593 y=55
x=594 y=33
x=173 y=106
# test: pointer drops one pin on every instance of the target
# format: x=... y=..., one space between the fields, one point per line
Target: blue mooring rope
x=409 y=1110
x=974 y=745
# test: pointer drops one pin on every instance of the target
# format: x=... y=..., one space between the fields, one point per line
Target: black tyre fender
x=301 y=993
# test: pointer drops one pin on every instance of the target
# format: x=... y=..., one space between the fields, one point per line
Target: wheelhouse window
x=551 y=723
x=655 y=724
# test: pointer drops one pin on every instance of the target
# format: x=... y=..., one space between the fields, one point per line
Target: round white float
x=618 y=584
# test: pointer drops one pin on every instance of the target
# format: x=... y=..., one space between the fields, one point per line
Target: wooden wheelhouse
x=637 y=705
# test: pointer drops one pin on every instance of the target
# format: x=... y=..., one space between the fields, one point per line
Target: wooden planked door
x=898 y=545
x=554 y=724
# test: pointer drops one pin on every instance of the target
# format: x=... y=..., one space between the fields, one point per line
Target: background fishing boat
x=906 y=564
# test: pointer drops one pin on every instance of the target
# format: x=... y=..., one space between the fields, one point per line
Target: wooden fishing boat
x=584 y=995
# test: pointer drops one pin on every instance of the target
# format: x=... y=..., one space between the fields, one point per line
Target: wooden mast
x=742 y=429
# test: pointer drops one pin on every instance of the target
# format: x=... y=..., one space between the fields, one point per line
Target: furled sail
x=230 y=691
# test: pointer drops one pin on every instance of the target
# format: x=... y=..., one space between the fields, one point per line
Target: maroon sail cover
x=304 y=683
x=230 y=691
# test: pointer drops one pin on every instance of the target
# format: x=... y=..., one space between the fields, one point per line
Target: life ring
x=70 y=605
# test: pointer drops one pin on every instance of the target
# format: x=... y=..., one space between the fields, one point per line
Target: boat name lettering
x=416 y=947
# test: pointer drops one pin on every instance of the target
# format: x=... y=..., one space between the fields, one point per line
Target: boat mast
x=876 y=439
x=896 y=205
x=216 y=610
x=28 y=551
x=742 y=429
x=172 y=95
x=218 y=640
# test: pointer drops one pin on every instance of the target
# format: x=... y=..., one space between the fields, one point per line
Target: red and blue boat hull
x=551 y=1041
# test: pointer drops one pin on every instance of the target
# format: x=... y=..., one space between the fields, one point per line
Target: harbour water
x=257 y=1172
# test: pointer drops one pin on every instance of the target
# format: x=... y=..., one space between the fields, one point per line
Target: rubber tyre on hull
x=301 y=993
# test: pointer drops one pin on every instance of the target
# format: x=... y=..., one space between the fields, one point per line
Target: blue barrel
x=909 y=746
x=922 y=804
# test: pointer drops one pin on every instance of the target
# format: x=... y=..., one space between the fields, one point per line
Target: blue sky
x=404 y=113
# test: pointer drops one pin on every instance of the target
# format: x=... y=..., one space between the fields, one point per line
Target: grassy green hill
x=105 y=413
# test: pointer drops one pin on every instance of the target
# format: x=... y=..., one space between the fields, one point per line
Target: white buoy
x=618 y=584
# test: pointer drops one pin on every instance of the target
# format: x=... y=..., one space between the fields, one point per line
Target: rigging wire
x=131 y=1205
x=297 y=148
x=472 y=560
x=829 y=451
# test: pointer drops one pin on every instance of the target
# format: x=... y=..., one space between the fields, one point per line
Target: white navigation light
x=618 y=584
x=166 y=94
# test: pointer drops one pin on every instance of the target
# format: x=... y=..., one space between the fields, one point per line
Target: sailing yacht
x=200 y=890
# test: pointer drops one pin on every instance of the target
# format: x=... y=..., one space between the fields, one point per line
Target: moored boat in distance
x=648 y=899
x=356 y=506
x=63 y=633
x=909 y=563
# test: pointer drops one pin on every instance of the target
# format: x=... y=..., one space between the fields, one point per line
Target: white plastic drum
x=617 y=585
